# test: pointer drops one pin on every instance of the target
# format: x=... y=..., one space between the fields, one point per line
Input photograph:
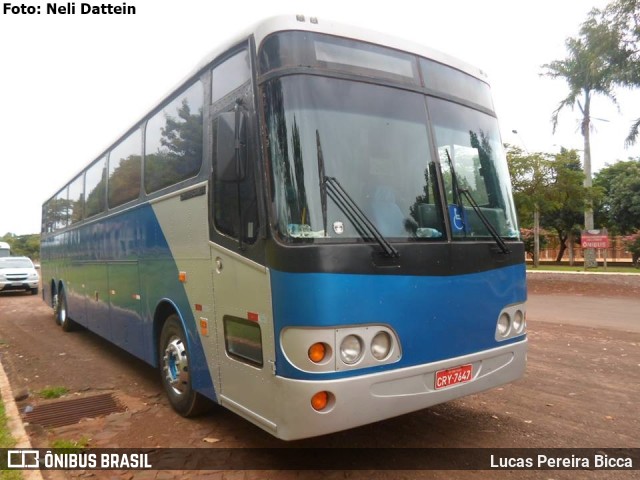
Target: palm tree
x=619 y=22
x=633 y=133
x=588 y=72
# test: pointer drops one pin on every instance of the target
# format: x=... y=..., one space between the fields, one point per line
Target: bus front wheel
x=174 y=370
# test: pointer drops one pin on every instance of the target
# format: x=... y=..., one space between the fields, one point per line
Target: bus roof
x=281 y=23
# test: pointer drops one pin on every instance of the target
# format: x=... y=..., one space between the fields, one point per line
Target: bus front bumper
x=357 y=401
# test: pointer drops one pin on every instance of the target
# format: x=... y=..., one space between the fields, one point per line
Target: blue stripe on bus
x=98 y=256
x=435 y=317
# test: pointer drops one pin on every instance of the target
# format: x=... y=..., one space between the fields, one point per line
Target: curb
x=14 y=422
x=582 y=273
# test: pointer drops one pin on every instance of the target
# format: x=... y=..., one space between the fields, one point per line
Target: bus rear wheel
x=62 y=315
x=174 y=370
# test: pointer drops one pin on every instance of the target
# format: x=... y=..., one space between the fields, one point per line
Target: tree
x=23 y=245
x=617 y=27
x=530 y=177
x=548 y=192
x=620 y=204
x=528 y=238
x=632 y=242
x=588 y=71
x=566 y=197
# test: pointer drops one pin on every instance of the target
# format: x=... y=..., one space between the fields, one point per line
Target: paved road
x=618 y=313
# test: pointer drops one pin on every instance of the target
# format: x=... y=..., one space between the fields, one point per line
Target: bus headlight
x=512 y=322
x=381 y=345
x=504 y=324
x=335 y=349
x=518 y=321
x=351 y=349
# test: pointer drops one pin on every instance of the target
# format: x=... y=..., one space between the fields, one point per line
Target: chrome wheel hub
x=175 y=365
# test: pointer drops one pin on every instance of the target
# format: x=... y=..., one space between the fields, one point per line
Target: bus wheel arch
x=173 y=363
x=163 y=311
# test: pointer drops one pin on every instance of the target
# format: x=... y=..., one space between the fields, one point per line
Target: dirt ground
x=600 y=285
x=581 y=389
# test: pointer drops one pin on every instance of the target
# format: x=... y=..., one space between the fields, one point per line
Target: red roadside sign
x=594 y=239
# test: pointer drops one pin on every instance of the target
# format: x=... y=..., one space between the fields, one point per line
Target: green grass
x=7 y=441
x=53 y=392
x=580 y=268
x=73 y=445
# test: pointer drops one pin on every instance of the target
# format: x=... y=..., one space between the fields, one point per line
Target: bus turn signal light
x=319 y=401
x=317 y=352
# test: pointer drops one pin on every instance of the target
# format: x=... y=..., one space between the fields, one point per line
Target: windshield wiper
x=455 y=186
x=364 y=226
x=476 y=208
x=323 y=188
x=492 y=230
x=331 y=186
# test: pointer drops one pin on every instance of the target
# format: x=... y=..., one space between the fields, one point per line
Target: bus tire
x=174 y=370
x=54 y=304
x=62 y=314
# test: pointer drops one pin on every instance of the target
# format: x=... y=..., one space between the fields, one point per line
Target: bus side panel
x=74 y=280
x=123 y=266
x=97 y=300
x=120 y=247
x=75 y=291
x=178 y=242
x=124 y=301
x=436 y=318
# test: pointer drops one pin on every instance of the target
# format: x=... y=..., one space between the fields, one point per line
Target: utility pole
x=590 y=260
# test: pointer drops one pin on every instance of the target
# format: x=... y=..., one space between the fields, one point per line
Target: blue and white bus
x=315 y=230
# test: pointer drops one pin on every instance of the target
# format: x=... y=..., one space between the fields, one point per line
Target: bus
x=315 y=230
x=5 y=249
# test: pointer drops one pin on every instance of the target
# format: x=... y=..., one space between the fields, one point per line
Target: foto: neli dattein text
x=69 y=8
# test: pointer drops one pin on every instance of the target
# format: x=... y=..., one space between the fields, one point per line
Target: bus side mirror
x=231 y=146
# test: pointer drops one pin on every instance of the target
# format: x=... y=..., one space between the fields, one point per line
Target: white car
x=18 y=273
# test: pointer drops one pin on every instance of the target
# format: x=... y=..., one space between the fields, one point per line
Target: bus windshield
x=375 y=141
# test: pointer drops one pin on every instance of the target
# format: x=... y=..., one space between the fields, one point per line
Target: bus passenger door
x=244 y=326
x=242 y=300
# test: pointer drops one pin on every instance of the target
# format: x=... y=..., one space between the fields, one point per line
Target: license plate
x=453 y=376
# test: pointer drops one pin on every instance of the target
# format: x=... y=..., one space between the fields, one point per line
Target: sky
x=71 y=84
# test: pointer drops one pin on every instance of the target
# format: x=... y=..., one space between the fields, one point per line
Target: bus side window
x=76 y=200
x=235 y=210
x=96 y=188
x=61 y=209
x=173 y=141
